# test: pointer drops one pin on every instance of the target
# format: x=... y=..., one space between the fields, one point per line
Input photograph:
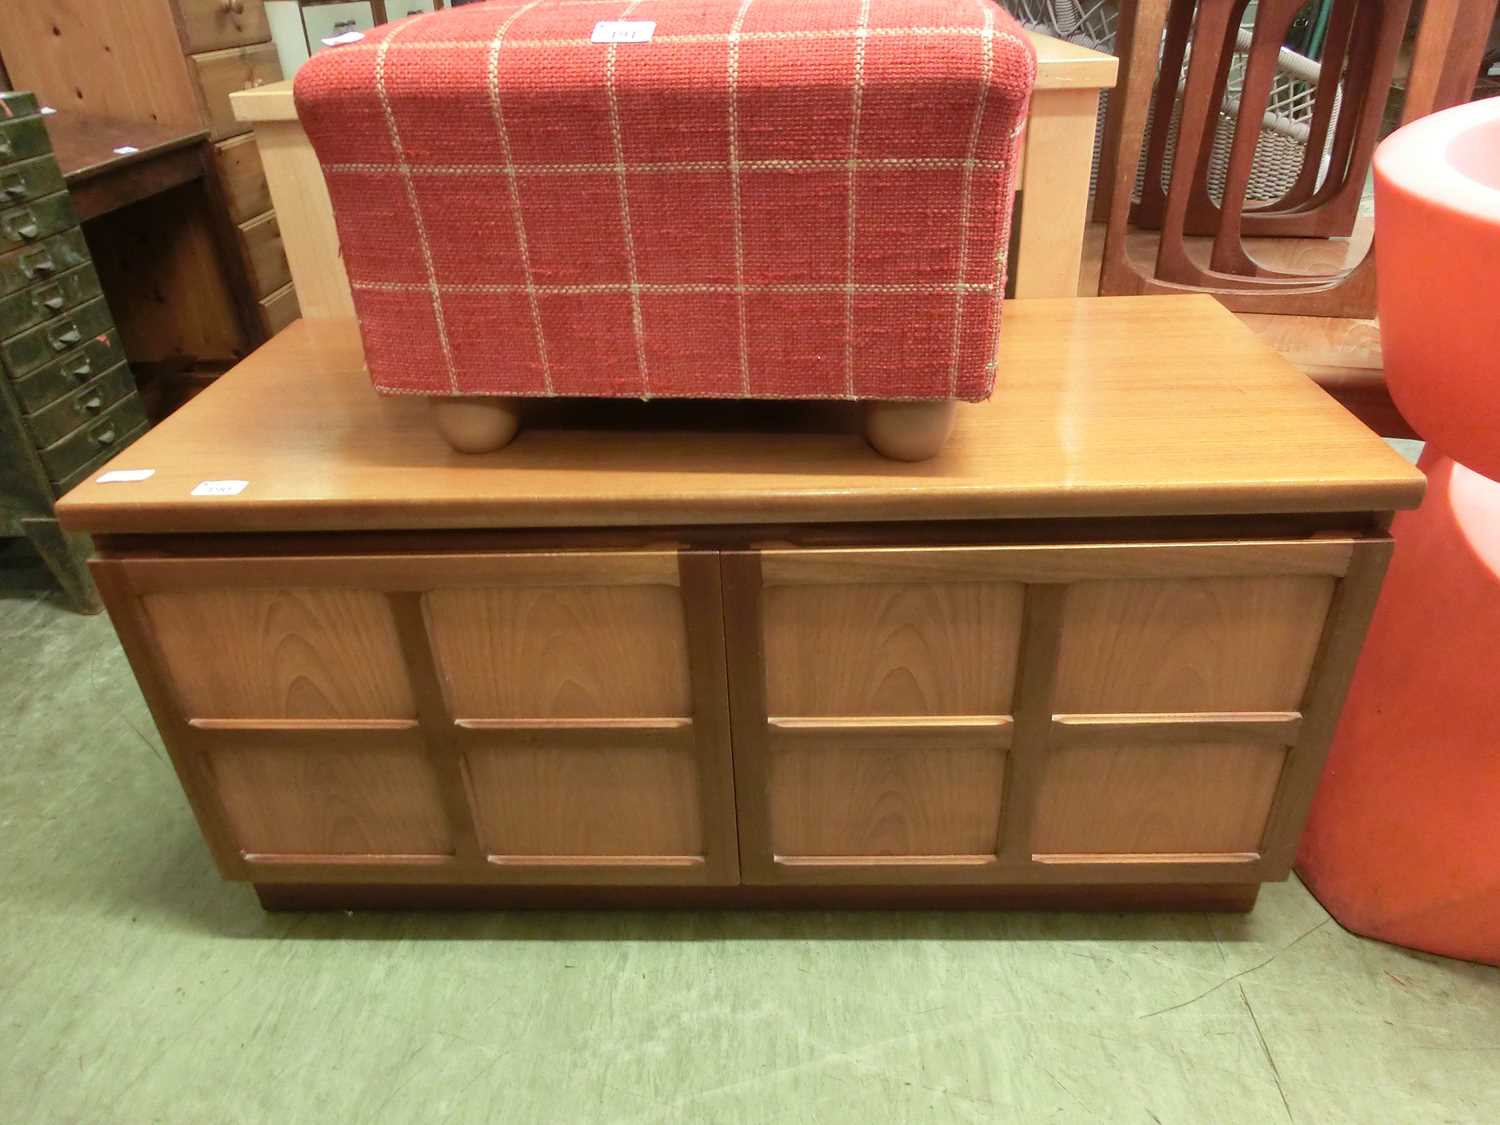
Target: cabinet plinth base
x=1227 y=898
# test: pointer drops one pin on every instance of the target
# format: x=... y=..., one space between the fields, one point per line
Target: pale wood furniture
x=1091 y=652
x=1052 y=207
x=173 y=62
x=1366 y=38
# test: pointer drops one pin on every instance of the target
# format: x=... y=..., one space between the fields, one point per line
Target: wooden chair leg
x=476 y=424
x=909 y=431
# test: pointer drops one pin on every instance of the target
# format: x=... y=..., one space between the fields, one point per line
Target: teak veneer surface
x=1128 y=406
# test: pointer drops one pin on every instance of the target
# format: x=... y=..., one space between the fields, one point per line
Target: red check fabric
x=767 y=199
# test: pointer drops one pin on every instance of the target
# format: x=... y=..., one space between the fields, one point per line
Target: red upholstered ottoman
x=678 y=198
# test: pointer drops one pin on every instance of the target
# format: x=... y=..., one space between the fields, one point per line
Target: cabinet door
x=1111 y=712
x=526 y=718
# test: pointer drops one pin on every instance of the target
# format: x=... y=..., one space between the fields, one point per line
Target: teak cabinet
x=708 y=653
x=1110 y=712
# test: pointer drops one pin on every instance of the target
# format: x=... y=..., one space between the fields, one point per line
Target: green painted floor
x=136 y=987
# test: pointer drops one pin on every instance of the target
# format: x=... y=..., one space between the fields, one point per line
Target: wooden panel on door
x=549 y=652
x=872 y=701
x=891 y=648
x=558 y=803
x=1153 y=799
x=530 y=717
x=1086 y=713
x=873 y=797
x=281 y=654
x=590 y=708
x=1190 y=644
x=341 y=796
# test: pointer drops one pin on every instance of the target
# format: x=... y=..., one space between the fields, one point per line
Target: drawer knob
x=22 y=224
x=64 y=338
x=82 y=369
x=49 y=298
x=105 y=434
x=13 y=186
x=39 y=264
x=90 y=405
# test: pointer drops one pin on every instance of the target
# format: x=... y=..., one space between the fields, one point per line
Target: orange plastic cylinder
x=1403 y=842
x=1437 y=251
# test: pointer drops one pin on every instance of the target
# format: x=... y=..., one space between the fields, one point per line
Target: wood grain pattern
x=888 y=649
x=187 y=309
x=1175 y=645
x=561 y=652
x=243 y=177
x=209 y=25
x=281 y=654
x=1136 y=799
x=1280 y=727
x=342 y=799
x=265 y=257
x=1054 y=192
x=305 y=211
x=117 y=59
x=583 y=803
x=220 y=73
x=861 y=800
x=1058 y=562
x=1104 y=407
x=279 y=310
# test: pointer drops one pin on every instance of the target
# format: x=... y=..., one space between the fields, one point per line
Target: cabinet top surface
x=1122 y=406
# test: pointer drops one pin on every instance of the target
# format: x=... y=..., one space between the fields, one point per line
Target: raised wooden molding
x=1226 y=726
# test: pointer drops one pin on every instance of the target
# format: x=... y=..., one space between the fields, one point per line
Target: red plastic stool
x=1403 y=842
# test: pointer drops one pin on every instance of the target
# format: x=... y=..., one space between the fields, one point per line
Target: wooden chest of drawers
x=67 y=399
x=1092 y=653
x=174 y=62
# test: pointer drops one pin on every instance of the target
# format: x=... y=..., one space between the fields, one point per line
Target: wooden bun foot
x=909 y=431
x=476 y=424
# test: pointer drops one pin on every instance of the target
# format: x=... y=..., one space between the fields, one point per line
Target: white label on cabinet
x=624 y=31
x=340 y=40
x=122 y=476
x=220 y=488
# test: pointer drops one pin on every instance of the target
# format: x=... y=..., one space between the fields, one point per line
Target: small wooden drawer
x=242 y=177
x=30 y=179
x=22 y=138
x=279 y=309
x=54 y=422
x=94 y=465
x=265 y=255
x=30 y=307
x=210 y=25
x=85 y=444
x=34 y=221
x=30 y=264
x=69 y=372
x=29 y=350
x=221 y=73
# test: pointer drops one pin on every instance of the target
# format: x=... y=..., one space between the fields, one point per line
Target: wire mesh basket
x=1282 y=144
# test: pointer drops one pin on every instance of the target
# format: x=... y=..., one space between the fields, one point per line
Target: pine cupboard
x=661 y=653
